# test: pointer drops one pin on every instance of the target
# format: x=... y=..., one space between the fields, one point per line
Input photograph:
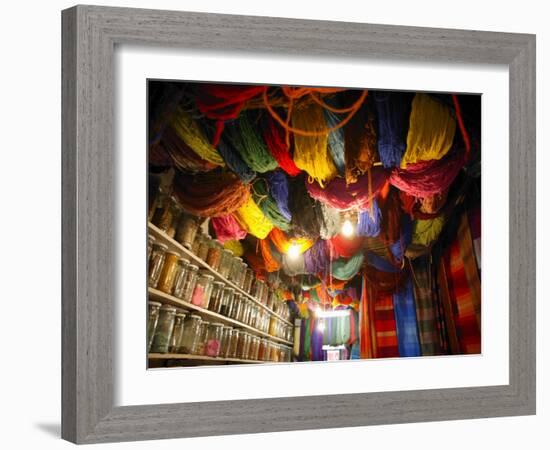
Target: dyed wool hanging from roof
x=426 y=232
x=393 y=110
x=431 y=130
x=368 y=223
x=278 y=188
x=282 y=242
x=343 y=247
x=311 y=152
x=346 y=269
x=234 y=161
x=405 y=318
x=210 y=194
x=464 y=289
x=252 y=219
x=316 y=258
x=360 y=142
x=426 y=308
x=272 y=264
x=267 y=204
x=330 y=224
x=227 y=228
x=275 y=140
x=336 y=144
x=306 y=213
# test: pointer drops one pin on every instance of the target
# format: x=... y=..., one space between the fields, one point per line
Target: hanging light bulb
x=293 y=251
x=321 y=326
x=348 y=230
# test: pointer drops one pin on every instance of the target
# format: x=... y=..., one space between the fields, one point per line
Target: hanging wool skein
x=369 y=221
x=250 y=145
x=268 y=205
x=275 y=140
x=316 y=258
x=393 y=109
x=431 y=131
x=311 y=152
x=223 y=102
x=346 y=269
x=184 y=158
x=191 y=133
x=234 y=161
x=306 y=213
x=331 y=223
x=360 y=143
x=341 y=246
x=282 y=242
x=235 y=246
x=272 y=263
x=227 y=228
x=425 y=232
x=210 y=194
x=359 y=195
x=278 y=188
x=391 y=218
x=253 y=220
x=336 y=142
x=294 y=266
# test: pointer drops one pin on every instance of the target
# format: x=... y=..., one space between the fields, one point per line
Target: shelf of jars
x=173 y=245
x=183 y=356
x=206 y=314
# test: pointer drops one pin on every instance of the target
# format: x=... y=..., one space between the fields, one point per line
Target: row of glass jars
x=173 y=274
x=172 y=330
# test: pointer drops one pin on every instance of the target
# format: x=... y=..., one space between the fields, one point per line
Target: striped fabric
x=385 y=326
x=426 y=307
x=405 y=319
x=464 y=289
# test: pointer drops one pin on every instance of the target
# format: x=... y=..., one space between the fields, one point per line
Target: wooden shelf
x=164 y=356
x=174 y=301
x=175 y=245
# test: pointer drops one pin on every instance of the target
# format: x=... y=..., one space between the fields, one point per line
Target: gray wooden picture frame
x=90 y=34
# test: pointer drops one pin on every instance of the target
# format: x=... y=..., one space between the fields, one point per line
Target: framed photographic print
x=277 y=224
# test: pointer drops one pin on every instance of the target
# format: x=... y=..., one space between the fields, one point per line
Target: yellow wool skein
x=431 y=131
x=427 y=231
x=252 y=219
x=235 y=246
x=311 y=153
x=189 y=131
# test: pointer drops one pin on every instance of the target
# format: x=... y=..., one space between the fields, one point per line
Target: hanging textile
x=267 y=204
x=431 y=130
x=182 y=156
x=249 y=144
x=366 y=329
x=210 y=194
x=252 y=219
x=357 y=195
x=405 y=319
x=387 y=345
x=311 y=152
x=426 y=311
x=282 y=242
x=393 y=109
x=316 y=258
x=336 y=144
x=427 y=178
x=227 y=228
x=346 y=269
x=297 y=334
x=191 y=133
x=234 y=161
x=330 y=223
x=343 y=247
x=426 y=232
x=390 y=230
x=316 y=342
x=432 y=204
x=278 y=188
x=384 y=281
x=275 y=140
x=223 y=102
x=306 y=213
x=272 y=264
x=360 y=142
x=369 y=221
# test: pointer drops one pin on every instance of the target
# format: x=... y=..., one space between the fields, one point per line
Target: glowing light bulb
x=347 y=228
x=293 y=251
x=321 y=326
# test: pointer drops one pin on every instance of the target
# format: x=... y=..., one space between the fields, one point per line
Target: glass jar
x=199 y=347
x=262 y=350
x=203 y=289
x=254 y=348
x=253 y=315
x=235 y=310
x=187 y=230
x=156 y=261
x=175 y=340
x=227 y=301
x=168 y=272
x=150 y=242
x=197 y=242
x=213 y=258
x=243 y=313
x=272 y=325
x=179 y=277
x=225 y=263
x=233 y=342
x=240 y=344
x=226 y=341
x=248 y=279
x=216 y=297
x=236 y=268
x=165 y=327
x=244 y=268
x=204 y=246
x=270 y=300
x=162 y=217
x=213 y=340
x=152 y=320
x=191 y=331
x=189 y=282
